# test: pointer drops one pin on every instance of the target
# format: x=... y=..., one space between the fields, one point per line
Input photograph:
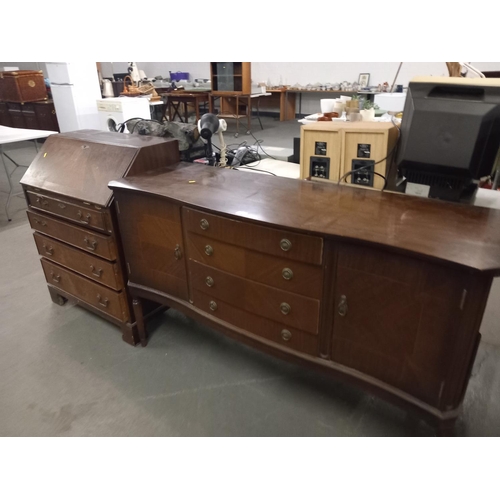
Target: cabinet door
x=397 y=319
x=151 y=234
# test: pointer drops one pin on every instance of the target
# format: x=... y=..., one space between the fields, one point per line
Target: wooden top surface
x=444 y=231
x=80 y=164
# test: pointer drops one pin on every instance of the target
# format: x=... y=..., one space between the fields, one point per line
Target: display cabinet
x=231 y=77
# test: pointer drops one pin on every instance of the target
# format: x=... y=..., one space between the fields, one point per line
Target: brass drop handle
x=41 y=200
x=342 y=308
x=177 y=252
x=91 y=245
x=285 y=308
x=80 y=217
x=213 y=305
x=103 y=303
x=285 y=244
x=61 y=205
x=209 y=281
x=53 y=111
x=48 y=249
x=96 y=272
x=55 y=277
x=41 y=222
x=287 y=273
x=286 y=335
x=204 y=224
x=209 y=250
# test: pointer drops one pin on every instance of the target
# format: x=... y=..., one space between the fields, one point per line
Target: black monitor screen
x=450 y=128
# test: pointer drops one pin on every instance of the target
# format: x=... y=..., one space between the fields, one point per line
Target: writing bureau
x=381 y=289
x=71 y=209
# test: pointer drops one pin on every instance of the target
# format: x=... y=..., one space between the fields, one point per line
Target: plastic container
x=179 y=75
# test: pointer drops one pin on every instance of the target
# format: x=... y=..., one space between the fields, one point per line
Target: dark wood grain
x=100 y=270
x=80 y=164
x=453 y=234
x=255 y=298
x=95 y=243
x=306 y=279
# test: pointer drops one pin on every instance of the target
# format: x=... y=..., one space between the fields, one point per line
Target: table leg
x=249 y=114
x=258 y=113
x=186 y=103
x=282 y=106
x=3 y=155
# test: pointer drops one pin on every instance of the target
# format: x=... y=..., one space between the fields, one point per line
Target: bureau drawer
x=294 y=246
x=94 y=243
x=277 y=305
x=284 y=335
x=289 y=275
x=108 y=301
x=82 y=216
x=102 y=271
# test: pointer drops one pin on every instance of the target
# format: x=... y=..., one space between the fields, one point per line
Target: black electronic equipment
x=450 y=135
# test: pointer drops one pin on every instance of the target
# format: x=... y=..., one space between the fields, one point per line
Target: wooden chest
x=22 y=86
x=72 y=211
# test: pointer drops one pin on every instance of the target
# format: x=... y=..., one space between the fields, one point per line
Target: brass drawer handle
x=209 y=250
x=61 y=205
x=209 y=281
x=285 y=244
x=177 y=252
x=286 y=335
x=285 y=308
x=55 y=277
x=204 y=224
x=213 y=305
x=103 y=303
x=95 y=272
x=48 y=250
x=287 y=273
x=41 y=222
x=53 y=111
x=342 y=308
x=80 y=217
x=42 y=201
x=91 y=245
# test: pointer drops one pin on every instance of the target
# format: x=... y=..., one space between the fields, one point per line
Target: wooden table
x=176 y=98
x=287 y=99
x=9 y=135
x=231 y=106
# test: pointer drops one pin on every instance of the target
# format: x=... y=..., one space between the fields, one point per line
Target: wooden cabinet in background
x=46 y=115
x=231 y=77
x=73 y=214
x=381 y=289
x=39 y=115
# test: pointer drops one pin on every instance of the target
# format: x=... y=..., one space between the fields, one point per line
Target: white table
x=9 y=135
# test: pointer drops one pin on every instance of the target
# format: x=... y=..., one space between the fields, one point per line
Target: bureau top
x=459 y=234
x=80 y=164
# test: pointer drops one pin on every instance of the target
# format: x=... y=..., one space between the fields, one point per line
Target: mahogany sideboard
x=381 y=289
x=71 y=209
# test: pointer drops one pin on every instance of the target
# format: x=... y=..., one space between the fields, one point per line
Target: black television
x=450 y=135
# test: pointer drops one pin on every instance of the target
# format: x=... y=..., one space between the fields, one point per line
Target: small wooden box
x=22 y=86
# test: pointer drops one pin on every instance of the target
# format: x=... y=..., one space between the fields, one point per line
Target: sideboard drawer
x=292 y=276
x=285 y=335
x=82 y=216
x=290 y=245
x=277 y=305
x=90 y=241
x=108 y=301
x=95 y=268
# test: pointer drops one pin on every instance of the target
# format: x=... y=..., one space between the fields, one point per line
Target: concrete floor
x=66 y=372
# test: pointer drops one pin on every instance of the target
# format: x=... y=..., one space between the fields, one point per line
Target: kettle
x=107 y=88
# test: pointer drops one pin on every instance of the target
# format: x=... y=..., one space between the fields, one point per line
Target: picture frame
x=364 y=79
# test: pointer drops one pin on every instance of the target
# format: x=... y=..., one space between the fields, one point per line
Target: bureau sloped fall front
x=380 y=289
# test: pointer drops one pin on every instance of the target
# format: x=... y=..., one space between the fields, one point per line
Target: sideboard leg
x=139 y=318
x=446 y=428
